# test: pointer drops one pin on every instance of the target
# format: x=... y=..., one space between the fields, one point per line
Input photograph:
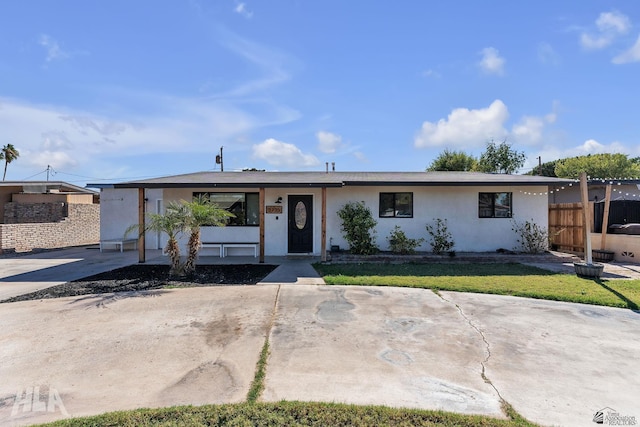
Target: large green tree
x=454 y=160
x=500 y=158
x=9 y=153
x=605 y=165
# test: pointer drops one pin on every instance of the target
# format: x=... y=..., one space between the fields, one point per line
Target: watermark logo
x=611 y=417
x=35 y=399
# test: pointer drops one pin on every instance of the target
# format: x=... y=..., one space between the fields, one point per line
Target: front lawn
x=502 y=279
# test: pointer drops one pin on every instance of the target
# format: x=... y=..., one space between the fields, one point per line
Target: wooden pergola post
x=323 y=238
x=585 y=217
x=141 y=225
x=262 y=208
x=605 y=218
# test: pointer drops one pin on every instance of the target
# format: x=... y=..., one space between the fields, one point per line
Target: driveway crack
x=505 y=405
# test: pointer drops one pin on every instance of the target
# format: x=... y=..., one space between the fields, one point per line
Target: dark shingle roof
x=332 y=179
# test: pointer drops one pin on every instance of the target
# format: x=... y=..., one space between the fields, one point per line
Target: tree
x=500 y=159
x=198 y=213
x=9 y=153
x=173 y=223
x=548 y=169
x=453 y=161
x=599 y=166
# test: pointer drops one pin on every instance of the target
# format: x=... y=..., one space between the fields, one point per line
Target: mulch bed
x=141 y=277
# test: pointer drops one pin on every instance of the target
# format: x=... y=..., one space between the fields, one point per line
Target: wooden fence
x=566 y=226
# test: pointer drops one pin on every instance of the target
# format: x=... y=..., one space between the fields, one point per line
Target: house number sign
x=274 y=209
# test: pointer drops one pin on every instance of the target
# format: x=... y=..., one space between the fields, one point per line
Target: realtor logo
x=33 y=399
x=611 y=417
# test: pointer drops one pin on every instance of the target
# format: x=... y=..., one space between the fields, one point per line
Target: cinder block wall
x=80 y=227
x=22 y=213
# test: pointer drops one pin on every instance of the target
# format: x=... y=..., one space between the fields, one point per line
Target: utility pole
x=48 y=169
x=220 y=160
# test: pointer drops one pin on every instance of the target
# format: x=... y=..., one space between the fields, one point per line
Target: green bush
x=532 y=238
x=399 y=243
x=358 y=227
x=441 y=238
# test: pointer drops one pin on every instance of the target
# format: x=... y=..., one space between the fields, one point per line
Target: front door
x=300 y=214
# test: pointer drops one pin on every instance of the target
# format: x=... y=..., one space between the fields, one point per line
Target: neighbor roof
x=332 y=179
x=61 y=186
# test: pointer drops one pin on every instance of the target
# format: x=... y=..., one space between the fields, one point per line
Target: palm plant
x=200 y=212
x=9 y=153
x=172 y=222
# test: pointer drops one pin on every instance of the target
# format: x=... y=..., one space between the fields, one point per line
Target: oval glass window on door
x=300 y=215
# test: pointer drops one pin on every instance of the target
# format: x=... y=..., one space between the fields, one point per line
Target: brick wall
x=80 y=227
x=21 y=213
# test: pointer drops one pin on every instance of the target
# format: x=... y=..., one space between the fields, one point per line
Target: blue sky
x=118 y=90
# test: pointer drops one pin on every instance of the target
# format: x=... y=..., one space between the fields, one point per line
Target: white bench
x=223 y=247
x=118 y=243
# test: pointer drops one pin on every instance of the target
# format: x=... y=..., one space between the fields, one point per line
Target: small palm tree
x=9 y=153
x=172 y=222
x=200 y=212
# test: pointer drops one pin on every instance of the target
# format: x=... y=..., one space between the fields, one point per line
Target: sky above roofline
x=115 y=91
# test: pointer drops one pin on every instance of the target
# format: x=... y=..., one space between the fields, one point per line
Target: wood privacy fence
x=566 y=226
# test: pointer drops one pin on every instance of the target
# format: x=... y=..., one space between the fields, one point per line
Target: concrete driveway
x=556 y=363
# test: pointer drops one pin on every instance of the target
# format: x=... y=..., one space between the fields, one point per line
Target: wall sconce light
x=279 y=201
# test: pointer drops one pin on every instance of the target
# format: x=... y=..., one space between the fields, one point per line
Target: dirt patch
x=140 y=277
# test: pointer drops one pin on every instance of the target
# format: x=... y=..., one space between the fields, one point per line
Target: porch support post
x=605 y=218
x=141 y=225
x=323 y=238
x=585 y=217
x=262 y=208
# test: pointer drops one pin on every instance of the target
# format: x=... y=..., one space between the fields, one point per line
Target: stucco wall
x=459 y=205
x=80 y=227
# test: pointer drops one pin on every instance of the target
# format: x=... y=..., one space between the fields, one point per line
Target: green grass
x=261 y=371
x=502 y=279
x=287 y=414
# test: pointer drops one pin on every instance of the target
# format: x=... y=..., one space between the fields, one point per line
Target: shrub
x=441 y=238
x=358 y=228
x=399 y=243
x=532 y=238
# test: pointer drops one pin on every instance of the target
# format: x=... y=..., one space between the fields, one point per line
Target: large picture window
x=495 y=205
x=245 y=206
x=396 y=205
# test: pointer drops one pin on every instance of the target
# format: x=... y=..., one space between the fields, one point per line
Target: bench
x=118 y=243
x=223 y=247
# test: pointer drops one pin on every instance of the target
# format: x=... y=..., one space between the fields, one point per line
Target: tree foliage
x=9 y=153
x=500 y=158
x=358 y=227
x=599 y=166
x=454 y=160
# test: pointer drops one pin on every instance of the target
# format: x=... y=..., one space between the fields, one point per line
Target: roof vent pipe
x=327 y=166
x=333 y=166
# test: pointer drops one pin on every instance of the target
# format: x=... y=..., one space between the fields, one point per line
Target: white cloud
x=529 y=129
x=54 y=51
x=278 y=153
x=609 y=26
x=465 y=128
x=241 y=8
x=547 y=54
x=328 y=142
x=631 y=55
x=491 y=62
x=431 y=74
x=360 y=156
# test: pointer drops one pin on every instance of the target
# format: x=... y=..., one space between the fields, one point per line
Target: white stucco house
x=282 y=213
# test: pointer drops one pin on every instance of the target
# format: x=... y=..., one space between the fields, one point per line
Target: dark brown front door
x=300 y=214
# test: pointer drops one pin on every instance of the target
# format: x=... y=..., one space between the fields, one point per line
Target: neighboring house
x=296 y=212
x=46 y=215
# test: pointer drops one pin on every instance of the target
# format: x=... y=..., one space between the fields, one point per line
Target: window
x=245 y=206
x=396 y=205
x=494 y=205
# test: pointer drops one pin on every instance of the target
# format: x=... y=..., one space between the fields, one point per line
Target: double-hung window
x=245 y=206
x=396 y=205
x=495 y=205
